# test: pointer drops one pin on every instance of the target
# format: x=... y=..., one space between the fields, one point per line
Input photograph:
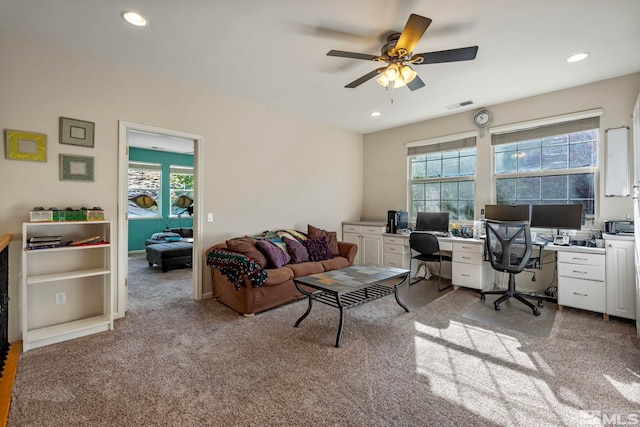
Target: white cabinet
x=581 y=281
x=396 y=252
x=66 y=292
x=369 y=241
x=468 y=268
x=620 y=278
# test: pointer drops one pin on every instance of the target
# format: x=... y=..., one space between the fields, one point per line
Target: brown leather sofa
x=279 y=288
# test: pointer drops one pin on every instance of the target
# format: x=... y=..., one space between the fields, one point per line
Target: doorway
x=164 y=137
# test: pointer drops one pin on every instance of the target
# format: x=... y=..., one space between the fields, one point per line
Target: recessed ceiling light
x=376 y=114
x=134 y=18
x=577 y=57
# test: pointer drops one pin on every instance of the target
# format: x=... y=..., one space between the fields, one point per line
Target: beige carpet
x=176 y=362
x=514 y=316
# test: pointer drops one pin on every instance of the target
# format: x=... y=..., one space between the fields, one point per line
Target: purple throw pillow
x=276 y=257
x=318 y=249
x=297 y=251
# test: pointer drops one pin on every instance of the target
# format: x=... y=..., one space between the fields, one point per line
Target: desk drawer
x=394 y=249
x=393 y=260
x=579 y=271
x=468 y=247
x=467 y=257
x=396 y=241
x=584 y=294
x=467 y=275
x=581 y=258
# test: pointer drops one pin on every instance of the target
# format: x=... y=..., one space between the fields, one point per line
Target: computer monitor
x=557 y=216
x=432 y=221
x=507 y=212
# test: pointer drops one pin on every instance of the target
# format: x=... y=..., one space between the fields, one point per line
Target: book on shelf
x=46 y=245
x=43 y=239
x=58 y=243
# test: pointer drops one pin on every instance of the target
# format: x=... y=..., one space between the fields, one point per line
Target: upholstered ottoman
x=171 y=254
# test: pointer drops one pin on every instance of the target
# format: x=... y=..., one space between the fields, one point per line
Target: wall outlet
x=210 y=217
x=61 y=298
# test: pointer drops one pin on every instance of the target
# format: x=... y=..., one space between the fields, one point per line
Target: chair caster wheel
x=497 y=307
x=536 y=312
x=540 y=304
x=482 y=298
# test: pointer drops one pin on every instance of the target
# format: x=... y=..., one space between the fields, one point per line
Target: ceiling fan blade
x=353 y=55
x=366 y=77
x=415 y=84
x=451 y=55
x=412 y=33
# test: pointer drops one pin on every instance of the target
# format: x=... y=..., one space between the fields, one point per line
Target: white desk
x=588 y=278
x=468 y=268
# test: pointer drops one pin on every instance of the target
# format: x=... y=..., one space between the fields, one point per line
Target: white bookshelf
x=79 y=275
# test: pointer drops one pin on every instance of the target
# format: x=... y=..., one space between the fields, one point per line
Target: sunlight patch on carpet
x=469 y=366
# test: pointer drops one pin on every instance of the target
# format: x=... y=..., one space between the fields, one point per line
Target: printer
x=621 y=227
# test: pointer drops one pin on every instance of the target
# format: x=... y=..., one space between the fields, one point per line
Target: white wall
x=385 y=155
x=263 y=169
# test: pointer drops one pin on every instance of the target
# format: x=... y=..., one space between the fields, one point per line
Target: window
x=554 y=164
x=442 y=178
x=180 y=184
x=144 y=190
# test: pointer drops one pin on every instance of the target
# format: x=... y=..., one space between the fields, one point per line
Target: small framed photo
x=76 y=168
x=76 y=132
x=21 y=145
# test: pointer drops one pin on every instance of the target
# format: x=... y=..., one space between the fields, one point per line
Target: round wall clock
x=482 y=120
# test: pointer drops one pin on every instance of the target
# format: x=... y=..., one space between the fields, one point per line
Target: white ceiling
x=274 y=52
x=151 y=141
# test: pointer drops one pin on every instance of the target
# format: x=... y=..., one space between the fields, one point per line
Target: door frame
x=121 y=294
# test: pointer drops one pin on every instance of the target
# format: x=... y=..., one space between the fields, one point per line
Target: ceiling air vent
x=458 y=105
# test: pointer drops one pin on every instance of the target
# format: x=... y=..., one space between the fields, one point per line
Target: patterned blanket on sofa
x=234 y=265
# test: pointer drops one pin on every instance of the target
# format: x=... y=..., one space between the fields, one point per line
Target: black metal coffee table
x=348 y=287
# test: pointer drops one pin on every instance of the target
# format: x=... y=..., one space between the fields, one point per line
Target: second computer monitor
x=432 y=221
x=557 y=216
x=507 y=212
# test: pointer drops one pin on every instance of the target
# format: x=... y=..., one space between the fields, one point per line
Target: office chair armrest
x=538 y=263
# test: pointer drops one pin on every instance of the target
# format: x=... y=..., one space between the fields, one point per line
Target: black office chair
x=428 y=248
x=509 y=247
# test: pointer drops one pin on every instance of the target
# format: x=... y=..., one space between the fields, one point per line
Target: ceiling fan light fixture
x=382 y=80
x=398 y=75
x=408 y=74
x=392 y=72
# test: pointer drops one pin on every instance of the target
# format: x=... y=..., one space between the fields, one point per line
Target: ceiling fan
x=398 y=54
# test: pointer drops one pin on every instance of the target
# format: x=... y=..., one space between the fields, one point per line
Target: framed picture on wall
x=76 y=132
x=21 y=145
x=76 y=168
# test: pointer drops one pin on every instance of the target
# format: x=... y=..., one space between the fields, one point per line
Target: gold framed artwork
x=76 y=168
x=76 y=132
x=22 y=145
